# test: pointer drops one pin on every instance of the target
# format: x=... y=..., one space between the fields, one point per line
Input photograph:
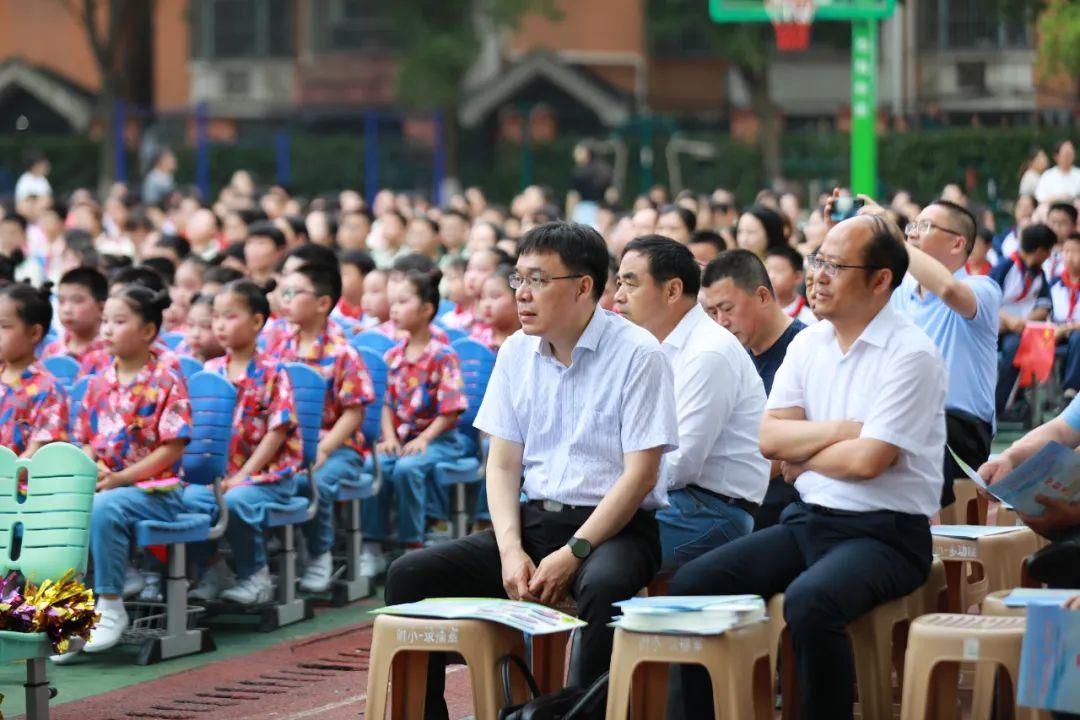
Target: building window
x=970 y=25
x=350 y=25
x=223 y=29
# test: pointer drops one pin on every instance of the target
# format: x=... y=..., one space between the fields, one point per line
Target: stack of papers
x=530 y=618
x=697 y=615
x=1054 y=471
x=1023 y=597
x=971 y=532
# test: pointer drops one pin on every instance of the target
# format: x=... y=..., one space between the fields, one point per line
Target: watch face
x=580 y=548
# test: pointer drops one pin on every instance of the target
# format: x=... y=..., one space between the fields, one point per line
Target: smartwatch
x=579 y=547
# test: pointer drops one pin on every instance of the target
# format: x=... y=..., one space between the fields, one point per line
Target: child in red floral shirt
x=425 y=394
x=81 y=298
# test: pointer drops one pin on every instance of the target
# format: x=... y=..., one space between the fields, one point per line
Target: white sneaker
x=316 y=578
x=217 y=578
x=134 y=582
x=113 y=622
x=76 y=646
x=152 y=591
x=251 y=590
x=372 y=564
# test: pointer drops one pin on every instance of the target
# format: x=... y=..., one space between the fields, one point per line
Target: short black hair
x=359 y=260
x=986 y=235
x=32 y=304
x=788 y=253
x=298 y=226
x=964 y=220
x=325 y=279
x=579 y=247
x=687 y=218
x=710 y=237
x=142 y=275
x=90 y=278
x=743 y=267
x=414 y=261
x=453 y=212
x=164 y=267
x=886 y=249
x=1067 y=208
x=219 y=275
x=1037 y=237
x=177 y=244
x=267 y=229
x=235 y=251
x=312 y=253
x=668 y=259
x=16 y=218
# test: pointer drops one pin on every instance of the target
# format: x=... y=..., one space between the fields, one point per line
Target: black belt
x=741 y=503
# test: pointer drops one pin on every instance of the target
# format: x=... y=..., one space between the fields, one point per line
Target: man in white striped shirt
x=581 y=404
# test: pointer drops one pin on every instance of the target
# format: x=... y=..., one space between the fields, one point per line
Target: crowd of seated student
x=254 y=281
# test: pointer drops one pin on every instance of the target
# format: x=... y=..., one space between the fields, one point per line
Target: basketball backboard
x=741 y=11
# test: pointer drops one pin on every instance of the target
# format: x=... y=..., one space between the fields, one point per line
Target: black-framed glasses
x=831 y=268
x=536 y=282
x=921 y=227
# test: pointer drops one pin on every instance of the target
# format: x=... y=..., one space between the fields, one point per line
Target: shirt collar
x=590 y=337
x=879 y=329
x=399 y=359
x=677 y=338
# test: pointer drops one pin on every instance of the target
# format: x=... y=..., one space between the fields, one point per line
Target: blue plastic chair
x=206 y=461
x=75 y=398
x=354 y=586
x=65 y=369
x=373 y=340
x=189 y=366
x=309 y=391
x=445 y=306
x=172 y=339
x=477 y=362
x=455 y=334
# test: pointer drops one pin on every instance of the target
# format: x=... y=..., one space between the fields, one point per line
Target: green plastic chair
x=55 y=520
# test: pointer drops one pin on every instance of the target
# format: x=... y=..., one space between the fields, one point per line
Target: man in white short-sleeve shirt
x=717 y=478
x=857 y=417
x=580 y=408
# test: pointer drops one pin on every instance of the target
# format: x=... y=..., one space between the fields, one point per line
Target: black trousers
x=470 y=567
x=970 y=437
x=832 y=567
x=778 y=496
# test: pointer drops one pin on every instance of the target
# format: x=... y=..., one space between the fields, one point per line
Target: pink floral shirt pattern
x=419 y=391
x=32 y=409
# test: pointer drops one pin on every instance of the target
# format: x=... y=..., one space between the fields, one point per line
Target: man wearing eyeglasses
x=580 y=408
x=960 y=314
x=857 y=417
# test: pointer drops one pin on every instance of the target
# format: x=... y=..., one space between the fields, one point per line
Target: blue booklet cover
x=1054 y=471
x=1050 y=660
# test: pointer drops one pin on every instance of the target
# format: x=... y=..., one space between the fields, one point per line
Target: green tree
x=438 y=42
x=1059 y=39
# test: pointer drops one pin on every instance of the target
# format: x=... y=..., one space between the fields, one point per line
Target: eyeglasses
x=831 y=268
x=536 y=282
x=922 y=227
x=289 y=293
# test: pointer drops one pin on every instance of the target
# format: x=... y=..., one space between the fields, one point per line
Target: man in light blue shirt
x=960 y=314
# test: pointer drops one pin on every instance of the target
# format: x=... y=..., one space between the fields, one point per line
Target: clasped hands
x=547 y=583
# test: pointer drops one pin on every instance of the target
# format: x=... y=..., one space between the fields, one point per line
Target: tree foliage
x=1059 y=39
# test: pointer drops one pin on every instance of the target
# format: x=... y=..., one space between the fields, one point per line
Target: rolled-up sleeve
x=648 y=405
x=789 y=389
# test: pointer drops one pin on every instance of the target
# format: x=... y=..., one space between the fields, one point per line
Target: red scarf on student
x=800 y=303
x=1074 y=293
x=983 y=269
x=1018 y=263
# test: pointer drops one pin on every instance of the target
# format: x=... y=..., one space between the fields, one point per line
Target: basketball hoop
x=791 y=19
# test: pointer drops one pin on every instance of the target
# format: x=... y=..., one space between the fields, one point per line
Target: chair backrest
x=75 y=398
x=374 y=340
x=445 y=306
x=54 y=514
x=213 y=403
x=65 y=369
x=189 y=366
x=455 y=334
x=309 y=391
x=376 y=366
x=172 y=339
x=477 y=362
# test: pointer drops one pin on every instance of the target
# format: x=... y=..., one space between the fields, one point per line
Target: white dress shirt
x=894 y=382
x=1057 y=185
x=576 y=423
x=719 y=400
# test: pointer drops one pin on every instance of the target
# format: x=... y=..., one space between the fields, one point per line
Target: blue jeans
x=247 y=512
x=112 y=529
x=406 y=477
x=319 y=531
x=1009 y=343
x=437 y=499
x=696 y=522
